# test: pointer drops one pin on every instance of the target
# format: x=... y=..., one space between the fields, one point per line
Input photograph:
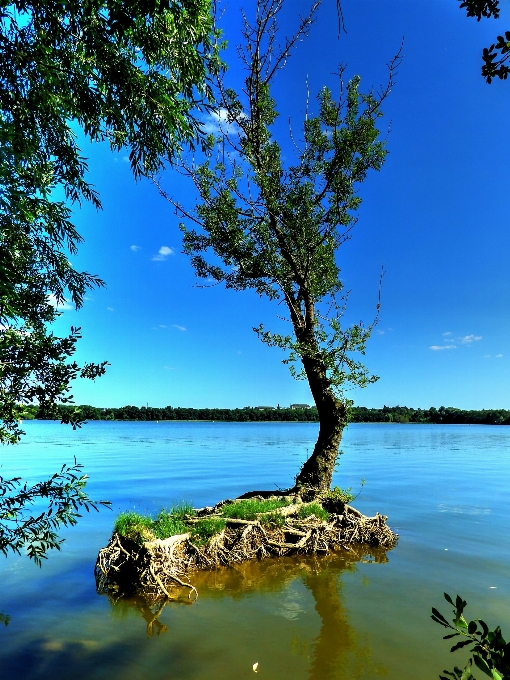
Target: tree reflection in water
x=335 y=654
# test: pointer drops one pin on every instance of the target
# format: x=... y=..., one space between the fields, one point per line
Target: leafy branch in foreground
x=64 y=493
x=494 y=64
x=490 y=652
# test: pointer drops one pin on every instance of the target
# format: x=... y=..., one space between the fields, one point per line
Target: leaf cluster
x=130 y=73
x=490 y=652
x=494 y=57
x=35 y=368
x=63 y=493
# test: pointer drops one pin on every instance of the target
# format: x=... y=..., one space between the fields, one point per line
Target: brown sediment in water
x=161 y=568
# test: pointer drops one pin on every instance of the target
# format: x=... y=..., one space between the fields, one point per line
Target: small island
x=156 y=557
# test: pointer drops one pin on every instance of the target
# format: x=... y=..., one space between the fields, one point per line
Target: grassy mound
x=151 y=555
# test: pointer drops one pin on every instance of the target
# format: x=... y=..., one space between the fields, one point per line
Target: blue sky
x=436 y=217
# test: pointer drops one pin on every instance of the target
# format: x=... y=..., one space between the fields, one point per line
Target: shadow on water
x=335 y=653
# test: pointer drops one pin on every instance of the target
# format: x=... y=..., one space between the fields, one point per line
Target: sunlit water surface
x=444 y=489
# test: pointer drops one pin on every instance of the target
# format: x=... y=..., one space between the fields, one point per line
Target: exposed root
x=159 y=569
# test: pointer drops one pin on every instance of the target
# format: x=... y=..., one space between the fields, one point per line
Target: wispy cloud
x=436 y=348
x=179 y=328
x=467 y=339
x=447 y=333
x=61 y=306
x=125 y=159
x=162 y=325
x=163 y=253
x=217 y=121
x=135 y=248
x=110 y=309
x=498 y=356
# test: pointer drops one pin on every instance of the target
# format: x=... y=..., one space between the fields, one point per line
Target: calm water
x=444 y=489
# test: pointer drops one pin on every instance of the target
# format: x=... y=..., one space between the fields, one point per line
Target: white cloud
x=486 y=356
x=60 y=306
x=135 y=248
x=163 y=253
x=380 y=332
x=179 y=328
x=217 y=121
x=467 y=339
x=439 y=347
x=498 y=356
x=110 y=309
x=161 y=325
x=125 y=159
x=448 y=333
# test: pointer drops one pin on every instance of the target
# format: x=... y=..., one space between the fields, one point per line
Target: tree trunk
x=317 y=471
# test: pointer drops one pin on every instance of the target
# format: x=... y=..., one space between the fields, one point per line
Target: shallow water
x=345 y=616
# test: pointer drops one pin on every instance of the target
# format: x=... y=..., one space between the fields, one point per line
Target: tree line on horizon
x=358 y=414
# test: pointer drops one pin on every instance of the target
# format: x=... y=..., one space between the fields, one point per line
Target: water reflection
x=326 y=648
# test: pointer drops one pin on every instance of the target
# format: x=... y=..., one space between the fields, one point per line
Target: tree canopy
x=275 y=225
x=124 y=72
x=133 y=73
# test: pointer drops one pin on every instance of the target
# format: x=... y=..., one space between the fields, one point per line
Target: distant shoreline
x=358 y=414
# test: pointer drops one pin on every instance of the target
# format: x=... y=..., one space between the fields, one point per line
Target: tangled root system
x=161 y=568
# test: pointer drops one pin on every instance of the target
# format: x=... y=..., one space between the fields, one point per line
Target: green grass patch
x=249 y=508
x=141 y=528
x=312 y=509
x=206 y=528
x=272 y=519
x=134 y=526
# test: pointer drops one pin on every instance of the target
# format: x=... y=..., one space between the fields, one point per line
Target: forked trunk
x=317 y=471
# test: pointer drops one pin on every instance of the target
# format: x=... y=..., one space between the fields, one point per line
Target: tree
x=134 y=73
x=494 y=64
x=275 y=226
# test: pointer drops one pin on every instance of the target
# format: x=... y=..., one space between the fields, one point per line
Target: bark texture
x=317 y=471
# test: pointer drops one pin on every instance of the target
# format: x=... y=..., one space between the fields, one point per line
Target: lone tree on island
x=276 y=226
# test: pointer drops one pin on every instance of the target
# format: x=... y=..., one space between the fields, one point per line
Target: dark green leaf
x=460 y=644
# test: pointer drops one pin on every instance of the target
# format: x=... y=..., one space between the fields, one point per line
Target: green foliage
x=490 y=652
x=313 y=509
x=273 y=222
x=129 y=73
x=64 y=493
x=337 y=494
x=134 y=526
x=141 y=528
x=206 y=528
x=133 y=74
x=249 y=508
x=181 y=511
x=4 y=618
x=272 y=519
x=357 y=414
x=492 y=66
x=169 y=524
x=282 y=240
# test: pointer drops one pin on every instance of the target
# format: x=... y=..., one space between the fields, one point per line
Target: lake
x=341 y=617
